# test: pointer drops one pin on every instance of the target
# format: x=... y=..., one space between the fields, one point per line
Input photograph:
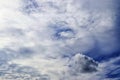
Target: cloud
x=67 y=68
x=30 y=6
x=81 y=63
x=83 y=34
x=17 y=72
x=48 y=35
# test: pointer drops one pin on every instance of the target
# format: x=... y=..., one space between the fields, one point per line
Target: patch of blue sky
x=58 y=33
x=115 y=73
x=62 y=31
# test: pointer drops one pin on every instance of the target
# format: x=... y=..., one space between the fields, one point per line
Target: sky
x=59 y=40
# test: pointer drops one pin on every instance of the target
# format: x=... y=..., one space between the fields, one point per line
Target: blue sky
x=59 y=39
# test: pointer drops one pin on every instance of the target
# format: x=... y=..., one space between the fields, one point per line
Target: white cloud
x=35 y=28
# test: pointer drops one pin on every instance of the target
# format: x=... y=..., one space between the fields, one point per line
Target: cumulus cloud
x=49 y=35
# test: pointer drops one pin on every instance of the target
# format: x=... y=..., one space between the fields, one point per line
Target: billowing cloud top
x=46 y=37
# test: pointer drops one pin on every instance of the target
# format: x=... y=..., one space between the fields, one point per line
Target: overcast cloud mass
x=59 y=40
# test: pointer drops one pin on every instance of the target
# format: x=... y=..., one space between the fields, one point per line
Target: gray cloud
x=82 y=64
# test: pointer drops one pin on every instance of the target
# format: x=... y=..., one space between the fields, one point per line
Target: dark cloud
x=82 y=64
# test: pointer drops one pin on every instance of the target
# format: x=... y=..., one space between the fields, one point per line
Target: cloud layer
x=48 y=35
